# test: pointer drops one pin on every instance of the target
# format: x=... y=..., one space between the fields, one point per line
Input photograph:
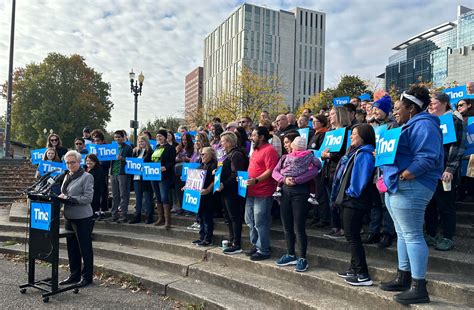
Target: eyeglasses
x=53 y=140
x=461 y=104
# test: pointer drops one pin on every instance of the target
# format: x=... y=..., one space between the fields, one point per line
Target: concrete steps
x=262 y=283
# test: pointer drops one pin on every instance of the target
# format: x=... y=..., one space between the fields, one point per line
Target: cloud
x=164 y=39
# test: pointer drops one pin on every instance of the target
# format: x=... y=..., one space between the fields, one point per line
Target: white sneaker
x=312 y=200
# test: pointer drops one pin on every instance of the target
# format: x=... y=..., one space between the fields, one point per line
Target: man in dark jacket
x=120 y=180
x=283 y=127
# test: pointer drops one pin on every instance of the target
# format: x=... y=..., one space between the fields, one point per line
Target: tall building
x=193 y=93
x=424 y=57
x=289 y=44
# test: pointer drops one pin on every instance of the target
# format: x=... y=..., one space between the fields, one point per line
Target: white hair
x=75 y=154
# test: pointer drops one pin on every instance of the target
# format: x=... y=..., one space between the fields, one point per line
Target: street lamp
x=136 y=89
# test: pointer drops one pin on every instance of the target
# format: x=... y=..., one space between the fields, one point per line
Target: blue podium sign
x=40 y=215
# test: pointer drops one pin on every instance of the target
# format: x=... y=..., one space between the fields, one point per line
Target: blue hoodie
x=362 y=172
x=420 y=151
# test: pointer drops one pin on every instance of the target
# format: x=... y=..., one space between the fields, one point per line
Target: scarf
x=70 y=178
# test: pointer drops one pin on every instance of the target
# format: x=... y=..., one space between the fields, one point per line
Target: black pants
x=322 y=211
x=441 y=204
x=353 y=221
x=206 y=218
x=294 y=210
x=104 y=200
x=234 y=205
x=80 y=246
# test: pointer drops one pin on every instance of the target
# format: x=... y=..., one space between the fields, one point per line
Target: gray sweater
x=82 y=191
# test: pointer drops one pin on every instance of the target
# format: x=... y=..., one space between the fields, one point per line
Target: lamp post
x=136 y=89
x=10 y=85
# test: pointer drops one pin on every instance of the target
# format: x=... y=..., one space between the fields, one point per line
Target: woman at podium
x=78 y=188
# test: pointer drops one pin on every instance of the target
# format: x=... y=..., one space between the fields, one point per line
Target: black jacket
x=330 y=164
x=146 y=185
x=168 y=159
x=236 y=161
x=99 y=186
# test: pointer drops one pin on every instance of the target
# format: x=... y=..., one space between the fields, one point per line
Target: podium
x=44 y=234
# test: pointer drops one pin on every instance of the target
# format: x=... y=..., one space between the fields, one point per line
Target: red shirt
x=264 y=158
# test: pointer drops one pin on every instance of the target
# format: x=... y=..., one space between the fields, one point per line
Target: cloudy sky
x=164 y=39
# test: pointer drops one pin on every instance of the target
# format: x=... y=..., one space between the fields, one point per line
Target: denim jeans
x=258 y=217
x=162 y=189
x=407 y=207
x=140 y=194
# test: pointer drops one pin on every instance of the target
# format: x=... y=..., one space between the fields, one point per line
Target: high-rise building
x=424 y=57
x=288 y=44
x=193 y=93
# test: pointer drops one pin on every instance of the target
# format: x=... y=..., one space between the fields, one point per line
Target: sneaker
x=135 y=221
x=360 y=280
x=196 y=242
x=349 y=273
x=257 y=256
x=444 y=244
x=233 y=250
x=122 y=220
x=301 y=265
x=204 y=243
x=335 y=234
x=251 y=251
x=312 y=200
x=430 y=241
x=277 y=194
x=286 y=260
x=193 y=226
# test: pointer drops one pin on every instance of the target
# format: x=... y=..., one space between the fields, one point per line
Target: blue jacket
x=420 y=151
x=362 y=172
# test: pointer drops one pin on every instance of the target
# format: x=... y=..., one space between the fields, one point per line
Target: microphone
x=37 y=185
x=51 y=182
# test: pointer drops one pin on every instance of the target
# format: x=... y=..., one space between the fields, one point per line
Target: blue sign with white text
x=153 y=144
x=191 y=200
x=318 y=155
x=46 y=166
x=349 y=140
x=470 y=120
x=333 y=140
x=133 y=165
x=186 y=167
x=447 y=128
x=40 y=215
x=242 y=177
x=217 y=179
x=304 y=133
x=104 y=152
x=379 y=130
x=365 y=97
x=37 y=155
x=151 y=171
x=386 y=148
x=456 y=94
x=341 y=101
x=177 y=136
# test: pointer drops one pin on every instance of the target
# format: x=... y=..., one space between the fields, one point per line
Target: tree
x=248 y=96
x=61 y=93
x=170 y=123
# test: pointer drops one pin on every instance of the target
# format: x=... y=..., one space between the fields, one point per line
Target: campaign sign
x=40 y=215
x=447 y=127
x=92 y=148
x=83 y=160
x=195 y=179
x=469 y=139
x=151 y=171
x=387 y=147
x=217 y=179
x=45 y=166
x=333 y=140
x=349 y=140
x=470 y=120
x=456 y=94
x=304 y=133
x=379 y=130
x=107 y=152
x=184 y=171
x=191 y=200
x=242 y=177
x=341 y=101
x=37 y=155
x=133 y=165
x=365 y=97
x=153 y=144
x=318 y=155
x=177 y=136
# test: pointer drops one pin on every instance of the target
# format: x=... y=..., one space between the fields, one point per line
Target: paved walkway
x=95 y=296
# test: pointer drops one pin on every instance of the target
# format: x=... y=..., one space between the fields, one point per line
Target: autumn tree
x=248 y=96
x=171 y=123
x=61 y=93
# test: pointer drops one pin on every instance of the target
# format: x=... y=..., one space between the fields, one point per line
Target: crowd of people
x=342 y=190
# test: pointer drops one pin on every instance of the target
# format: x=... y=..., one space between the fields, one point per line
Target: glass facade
x=427 y=59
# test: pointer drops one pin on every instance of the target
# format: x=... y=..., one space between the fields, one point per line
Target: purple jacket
x=305 y=177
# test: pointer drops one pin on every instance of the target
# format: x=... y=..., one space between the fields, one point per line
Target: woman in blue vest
x=411 y=181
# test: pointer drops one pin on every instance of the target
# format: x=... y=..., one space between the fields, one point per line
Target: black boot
x=136 y=220
x=401 y=283
x=416 y=295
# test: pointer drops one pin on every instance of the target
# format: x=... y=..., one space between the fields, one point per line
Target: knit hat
x=384 y=104
x=299 y=144
x=162 y=132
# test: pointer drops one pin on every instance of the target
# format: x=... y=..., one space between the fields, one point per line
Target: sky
x=164 y=39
